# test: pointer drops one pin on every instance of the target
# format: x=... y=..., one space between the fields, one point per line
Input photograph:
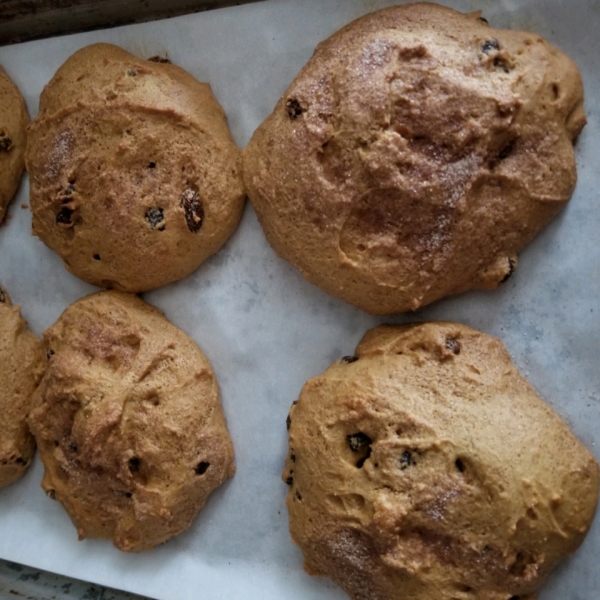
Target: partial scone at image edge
x=425 y=466
x=14 y=120
x=135 y=179
x=415 y=154
x=22 y=365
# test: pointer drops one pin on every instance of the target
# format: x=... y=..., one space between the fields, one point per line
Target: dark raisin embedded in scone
x=193 y=209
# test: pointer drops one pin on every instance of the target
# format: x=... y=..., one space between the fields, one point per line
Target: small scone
x=13 y=135
x=22 y=364
x=135 y=178
x=128 y=422
x=426 y=467
x=415 y=154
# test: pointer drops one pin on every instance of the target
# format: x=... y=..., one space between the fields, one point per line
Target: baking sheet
x=266 y=330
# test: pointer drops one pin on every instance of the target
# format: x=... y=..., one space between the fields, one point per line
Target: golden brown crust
x=13 y=135
x=415 y=154
x=427 y=467
x=135 y=178
x=22 y=365
x=128 y=422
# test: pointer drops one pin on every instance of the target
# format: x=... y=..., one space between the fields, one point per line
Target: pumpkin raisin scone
x=415 y=154
x=13 y=135
x=427 y=467
x=22 y=364
x=128 y=422
x=135 y=178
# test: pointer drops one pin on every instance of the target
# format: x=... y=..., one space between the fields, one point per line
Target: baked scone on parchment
x=128 y=422
x=13 y=135
x=135 y=178
x=427 y=467
x=22 y=364
x=415 y=154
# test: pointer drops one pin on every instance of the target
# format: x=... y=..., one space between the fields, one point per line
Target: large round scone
x=135 y=178
x=22 y=364
x=128 y=422
x=426 y=467
x=415 y=154
x=13 y=135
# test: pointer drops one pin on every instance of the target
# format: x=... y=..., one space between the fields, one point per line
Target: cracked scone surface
x=22 y=365
x=427 y=467
x=415 y=154
x=135 y=178
x=128 y=422
x=13 y=137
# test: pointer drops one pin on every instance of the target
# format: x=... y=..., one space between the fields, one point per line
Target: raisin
x=134 y=464
x=5 y=142
x=348 y=359
x=49 y=353
x=298 y=495
x=155 y=216
x=503 y=63
x=132 y=72
x=159 y=59
x=490 y=45
x=63 y=217
x=293 y=108
x=289 y=481
x=127 y=494
x=453 y=345
x=361 y=444
x=406 y=460
x=293 y=457
x=288 y=422
x=51 y=494
x=358 y=441
x=96 y=257
x=202 y=467
x=512 y=263
x=21 y=461
x=151 y=165
x=193 y=209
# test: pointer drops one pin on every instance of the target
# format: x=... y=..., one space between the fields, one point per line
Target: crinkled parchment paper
x=266 y=330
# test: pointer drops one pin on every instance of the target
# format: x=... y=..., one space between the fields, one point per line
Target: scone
x=427 y=467
x=415 y=154
x=135 y=178
x=13 y=135
x=128 y=422
x=22 y=364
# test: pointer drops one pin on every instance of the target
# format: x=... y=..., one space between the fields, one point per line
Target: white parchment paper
x=266 y=330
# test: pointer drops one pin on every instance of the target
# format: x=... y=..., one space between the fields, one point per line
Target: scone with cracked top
x=128 y=422
x=22 y=364
x=427 y=467
x=135 y=178
x=415 y=154
x=13 y=135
